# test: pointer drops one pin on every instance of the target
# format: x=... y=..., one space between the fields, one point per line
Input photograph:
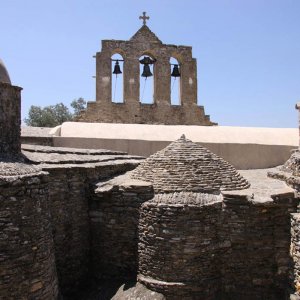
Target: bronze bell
x=147 y=60
x=117 y=69
x=175 y=72
x=146 y=71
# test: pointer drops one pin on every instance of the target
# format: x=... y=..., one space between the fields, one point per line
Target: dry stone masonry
x=181 y=225
x=10 y=119
x=206 y=172
x=290 y=173
x=114 y=216
x=203 y=244
x=72 y=173
x=27 y=262
x=44 y=194
x=27 y=250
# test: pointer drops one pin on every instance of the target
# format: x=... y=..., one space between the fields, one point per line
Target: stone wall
x=144 y=42
x=72 y=174
x=68 y=206
x=179 y=245
x=191 y=249
x=114 y=217
x=109 y=112
x=10 y=120
x=27 y=263
x=295 y=254
x=70 y=188
x=256 y=242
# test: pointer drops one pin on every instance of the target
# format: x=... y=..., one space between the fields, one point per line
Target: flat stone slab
x=64 y=150
x=59 y=155
x=263 y=189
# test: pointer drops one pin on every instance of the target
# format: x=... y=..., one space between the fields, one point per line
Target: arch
x=117 y=81
x=177 y=56
x=147 y=84
x=118 y=51
x=175 y=84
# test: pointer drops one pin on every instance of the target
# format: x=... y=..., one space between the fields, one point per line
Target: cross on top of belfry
x=144 y=18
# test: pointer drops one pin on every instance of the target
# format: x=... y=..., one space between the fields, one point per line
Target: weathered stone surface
x=231 y=246
x=63 y=150
x=15 y=168
x=187 y=166
x=136 y=292
x=4 y=76
x=144 y=42
x=84 y=220
x=10 y=120
x=114 y=215
x=178 y=245
x=27 y=262
x=71 y=188
x=295 y=254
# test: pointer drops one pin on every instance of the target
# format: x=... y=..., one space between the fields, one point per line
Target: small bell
x=175 y=72
x=117 y=69
x=146 y=71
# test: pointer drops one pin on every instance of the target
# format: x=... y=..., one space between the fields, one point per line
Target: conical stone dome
x=187 y=166
x=4 y=77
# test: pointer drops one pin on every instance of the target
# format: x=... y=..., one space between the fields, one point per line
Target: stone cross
x=144 y=18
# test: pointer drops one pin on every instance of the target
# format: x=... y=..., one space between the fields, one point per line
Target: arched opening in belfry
x=147 y=69
x=175 y=92
x=117 y=81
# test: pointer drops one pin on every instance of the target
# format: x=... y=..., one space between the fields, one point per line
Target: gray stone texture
x=144 y=42
x=10 y=120
x=192 y=229
x=27 y=262
x=72 y=173
x=295 y=254
x=289 y=173
x=114 y=214
x=4 y=76
x=187 y=166
x=234 y=246
x=256 y=260
x=179 y=245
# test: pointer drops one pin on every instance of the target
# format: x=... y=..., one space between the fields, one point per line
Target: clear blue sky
x=248 y=51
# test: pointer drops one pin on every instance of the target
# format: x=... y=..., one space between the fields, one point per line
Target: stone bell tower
x=10 y=116
x=144 y=43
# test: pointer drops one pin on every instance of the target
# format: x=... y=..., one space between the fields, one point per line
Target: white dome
x=4 y=76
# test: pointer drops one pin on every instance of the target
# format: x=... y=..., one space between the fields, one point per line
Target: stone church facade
x=145 y=43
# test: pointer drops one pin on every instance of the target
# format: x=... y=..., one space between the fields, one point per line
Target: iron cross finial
x=144 y=18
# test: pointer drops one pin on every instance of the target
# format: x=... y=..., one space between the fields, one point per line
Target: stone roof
x=72 y=156
x=144 y=34
x=4 y=77
x=15 y=168
x=187 y=166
